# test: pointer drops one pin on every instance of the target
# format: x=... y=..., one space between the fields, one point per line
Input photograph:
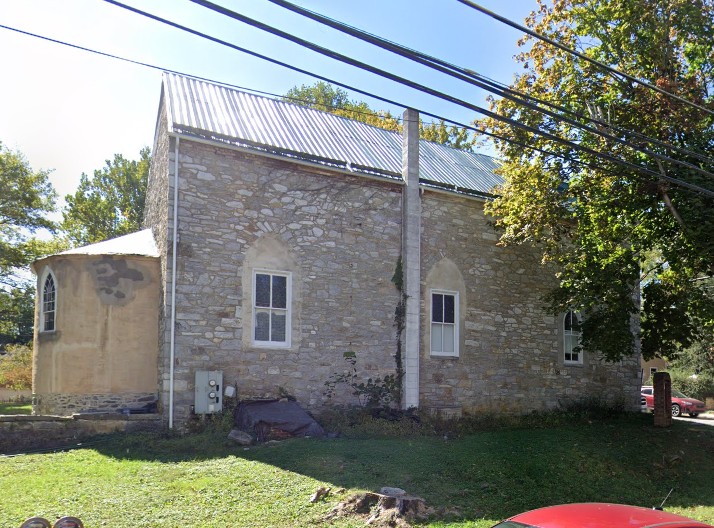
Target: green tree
x=599 y=222
x=109 y=204
x=17 y=315
x=16 y=368
x=323 y=96
x=26 y=199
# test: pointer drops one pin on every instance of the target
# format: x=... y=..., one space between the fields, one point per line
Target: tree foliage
x=109 y=204
x=323 y=96
x=16 y=368
x=598 y=221
x=17 y=315
x=26 y=198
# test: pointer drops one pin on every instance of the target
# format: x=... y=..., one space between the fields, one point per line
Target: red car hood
x=689 y=400
x=603 y=515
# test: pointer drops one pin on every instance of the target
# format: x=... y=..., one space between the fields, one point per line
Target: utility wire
x=433 y=92
x=483 y=82
x=326 y=79
x=602 y=65
x=238 y=48
x=131 y=61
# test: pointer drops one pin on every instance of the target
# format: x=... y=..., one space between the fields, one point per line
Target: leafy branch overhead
x=611 y=203
x=26 y=198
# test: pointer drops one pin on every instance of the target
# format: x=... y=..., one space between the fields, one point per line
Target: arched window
x=572 y=350
x=49 y=304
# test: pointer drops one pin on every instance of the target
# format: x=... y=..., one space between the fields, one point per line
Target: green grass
x=15 y=408
x=472 y=480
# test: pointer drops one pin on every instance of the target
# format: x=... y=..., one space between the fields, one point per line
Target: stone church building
x=279 y=239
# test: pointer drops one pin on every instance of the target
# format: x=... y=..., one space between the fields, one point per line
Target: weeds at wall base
x=356 y=422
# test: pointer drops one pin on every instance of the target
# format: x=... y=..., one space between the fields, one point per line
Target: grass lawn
x=15 y=408
x=473 y=480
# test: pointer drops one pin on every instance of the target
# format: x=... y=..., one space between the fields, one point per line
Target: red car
x=599 y=515
x=680 y=403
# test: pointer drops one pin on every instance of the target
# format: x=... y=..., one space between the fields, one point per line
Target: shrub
x=16 y=368
x=699 y=386
x=374 y=393
x=361 y=422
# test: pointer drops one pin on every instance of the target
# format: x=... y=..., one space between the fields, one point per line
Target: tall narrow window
x=573 y=353
x=49 y=304
x=271 y=309
x=444 y=323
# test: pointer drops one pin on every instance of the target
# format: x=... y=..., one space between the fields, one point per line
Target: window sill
x=269 y=344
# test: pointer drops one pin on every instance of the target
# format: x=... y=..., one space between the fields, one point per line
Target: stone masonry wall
x=339 y=237
x=157 y=215
x=511 y=349
x=67 y=404
x=157 y=208
x=341 y=232
x=23 y=433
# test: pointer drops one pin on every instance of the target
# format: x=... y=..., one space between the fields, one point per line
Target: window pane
x=436 y=334
x=262 y=290
x=262 y=326
x=49 y=321
x=437 y=308
x=448 y=339
x=280 y=291
x=278 y=326
x=449 y=308
x=572 y=341
x=572 y=321
x=568 y=323
x=48 y=304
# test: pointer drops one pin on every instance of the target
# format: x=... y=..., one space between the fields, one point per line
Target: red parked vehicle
x=681 y=404
x=599 y=515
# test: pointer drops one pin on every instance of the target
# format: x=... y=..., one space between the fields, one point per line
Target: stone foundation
x=68 y=404
x=24 y=433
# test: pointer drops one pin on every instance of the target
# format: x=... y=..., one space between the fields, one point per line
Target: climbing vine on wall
x=399 y=324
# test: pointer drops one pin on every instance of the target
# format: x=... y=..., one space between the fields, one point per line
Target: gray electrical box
x=208 y=396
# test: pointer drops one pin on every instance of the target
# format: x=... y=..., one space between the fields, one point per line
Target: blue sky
x=68 y=110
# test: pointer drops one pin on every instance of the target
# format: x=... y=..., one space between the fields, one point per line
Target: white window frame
x=455 y=324
x=44 y=302
x=287 y=310
x=568 y=342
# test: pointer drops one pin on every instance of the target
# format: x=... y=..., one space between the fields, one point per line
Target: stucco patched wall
x=103 y=351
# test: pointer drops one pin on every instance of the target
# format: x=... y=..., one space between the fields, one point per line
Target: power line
x=369 y=94
x=326 y=79
x=131 y=61
x=317 y=76
x=478 y=80
x=558 y=45
x=425 y=89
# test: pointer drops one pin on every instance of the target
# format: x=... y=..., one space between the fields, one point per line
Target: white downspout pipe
x=174 y=247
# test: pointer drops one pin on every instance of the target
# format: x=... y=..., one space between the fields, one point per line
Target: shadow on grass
x=486 y=474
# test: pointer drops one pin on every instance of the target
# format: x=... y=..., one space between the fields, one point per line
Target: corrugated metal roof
x=139 y=243
x=224 y=114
